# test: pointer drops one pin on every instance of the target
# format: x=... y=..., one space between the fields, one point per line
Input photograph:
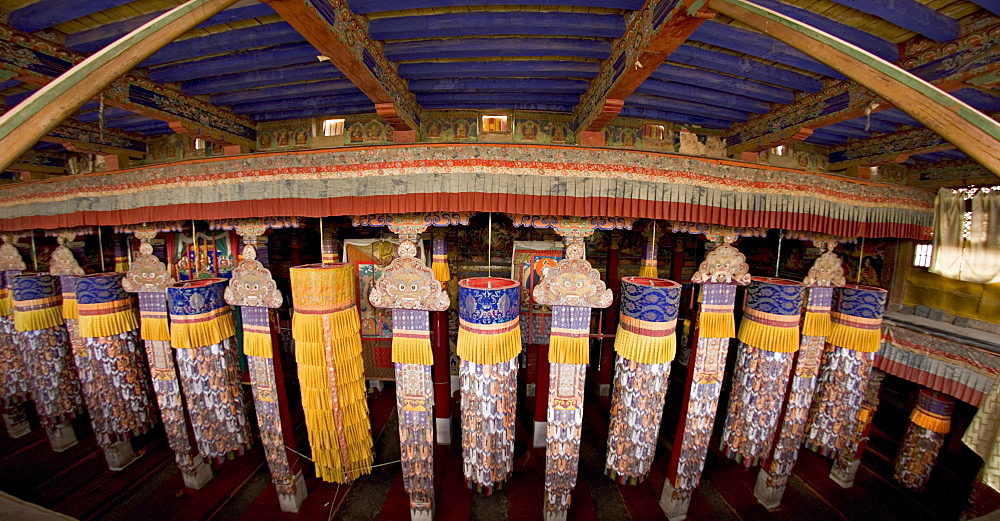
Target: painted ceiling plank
x=542 y=107
x=48 y=13
x=313 y=113
x=512 y=68
x=759 y=45
x=343 y=36
x=847 y=130
x=492 y=22
x=675 y=117
x=702 y=95
x=910 y=15
x=496 y=47
x=555 y=86
x=77 y=136
x=711 y=80
x=744 y=67
x=654 y=33
x=375 y=6
x=498 y=97
x=90 y=40
x=992 y=6
x=296 y=90
x=313 y=71
x=874 y=125
x=310 y=102
x=229 y=41
x=887 y=149
x=896 y=116
x=256 y=59
x=687 y=107
x=950 y=173
x=975 y=133
x=882 y=48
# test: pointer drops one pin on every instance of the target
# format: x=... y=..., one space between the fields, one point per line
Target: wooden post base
x=119 y=455
x=199 y=476
x=292 y=502
x=674 y=502
x=62 y=437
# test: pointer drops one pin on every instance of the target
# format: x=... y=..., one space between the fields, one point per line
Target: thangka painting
x=214 y=255
x=872 y=268
x=450 y=126
x=289 y=134
x=549 y=130
x=529 y=263
x=367 y=131
x=619 y=135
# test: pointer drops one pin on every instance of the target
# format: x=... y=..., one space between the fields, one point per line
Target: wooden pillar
x=610 y=320
x=441 y=377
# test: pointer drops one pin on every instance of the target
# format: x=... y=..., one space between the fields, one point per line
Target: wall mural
x=366 y=130
x=287 y=134
x=531 y=128
x=459 y=125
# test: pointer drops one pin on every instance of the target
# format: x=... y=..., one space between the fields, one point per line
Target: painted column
x=610 y=323
x=48 y=355
x=148 y=277
x=489 y=340
x=202 y=334
x=769 y=338
x=720 y=272
x=409 y=288
x=930 y=421
x=442 y=359
x=646 y=343
x=109 y=330
x=847 y=363
x=15 y=381
x=825 y=273
x=845 y=466
x=326 y=329
x=253 y=289
x=572 y=288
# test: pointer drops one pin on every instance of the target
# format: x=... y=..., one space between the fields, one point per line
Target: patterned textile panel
x=91 y=383
x=636 y=409
x=562 y=435
x=15 y=382
x=269 y=422
x=489 y=404
x=841 y=386
x=916 y=458
x=118 y=364
x=54 y=385
x=167 y=387
x=415 y=403
x=755 y=403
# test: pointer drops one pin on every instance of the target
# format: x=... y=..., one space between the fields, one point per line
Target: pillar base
x=843 y=475
x=529 y=389
x=61 y=436
x=199 y=476
x=768 y=496
x=292 y=502
x=674 y=502
x=604 y=390
x=119 y=455
x=377 y=385
x=421 y=514
x=538 y=437
x=443 y=427
x=17 y=425
x=558 y=515
x=456 y=384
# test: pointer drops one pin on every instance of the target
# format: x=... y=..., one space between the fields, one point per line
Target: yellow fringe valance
x=716 y=325
x=489 y=349
x=93 y=326
x=201 y=334
x=769 y=338
x=257 y=344
x=930 y=421
x=69 y=306
x=569 y=350
x=38 y=319
x=308 y=327
x=816 y=324
x=407 y=350
x=441 y=270
x=855 y=338
x=151 y=328
x=645 y=349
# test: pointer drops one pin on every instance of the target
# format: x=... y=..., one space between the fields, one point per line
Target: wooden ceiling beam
x=955 y=173
x=341 y=35
x=651 y=35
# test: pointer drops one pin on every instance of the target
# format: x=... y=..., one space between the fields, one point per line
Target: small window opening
x=650 y=131
x=333 y=127
x=922 y=255
x=495 y=124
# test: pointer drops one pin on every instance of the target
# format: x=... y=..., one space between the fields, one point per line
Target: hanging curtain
x=949 y=214
x=976 y=259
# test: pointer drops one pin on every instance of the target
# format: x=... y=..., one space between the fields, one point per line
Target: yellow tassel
x=93 y=326
x=38 y=319
x=308 y=327
x=930 y=422
x=201 y=334
x=645 y=349
x=816 y=324
x=412 y=351
x=70 y=309
x=489 y=349
x=716 y=325
x=257 y=344
x=6 y=304
x=154 y=329
x=769 y=338
x=441 y=271
x=855 y=339
x=648 y=271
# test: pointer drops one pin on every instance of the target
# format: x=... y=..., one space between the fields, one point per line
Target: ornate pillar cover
x=65 y=266
x=489 y=322
x=857 y=318
x=648 y=324
x=199 y=315
x=37 y=301
x=929 y=422
x=105 y=308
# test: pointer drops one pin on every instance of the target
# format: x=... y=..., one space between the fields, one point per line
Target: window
x=333 y=127
x=922 y=255
x=650 y=131
x=494 y=123
x=199 y=144
x=780 y=150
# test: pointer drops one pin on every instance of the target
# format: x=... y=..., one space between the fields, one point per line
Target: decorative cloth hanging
x=847 y=364
x=109 y=329
x=326 y=330
x=409 y=288
x=439 y=259
x=645 y=345
x=720 y=272
x=15 y=382
x=148 y=278
x=848 y=459
x=930 y=421
x=202 y=335
x=769 y=338
x=572 y=288
x=489 y=340
x=45 y=347
x=826 y=273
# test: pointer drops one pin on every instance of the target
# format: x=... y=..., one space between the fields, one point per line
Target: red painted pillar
x=613 y=281
x=541 y=395
x=284 y=411
x=441 y=377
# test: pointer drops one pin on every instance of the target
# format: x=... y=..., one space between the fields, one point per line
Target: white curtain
x=949 y=214
x=976 y=259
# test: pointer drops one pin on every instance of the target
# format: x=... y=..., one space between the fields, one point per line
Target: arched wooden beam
x=27 y=123
x=968 y=129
